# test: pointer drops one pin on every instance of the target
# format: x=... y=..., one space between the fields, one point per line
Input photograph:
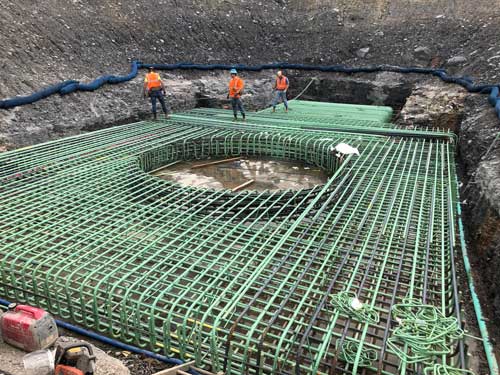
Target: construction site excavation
x=356 y=274
x=239 y=187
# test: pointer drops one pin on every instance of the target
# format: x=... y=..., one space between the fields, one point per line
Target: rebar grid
x=241 y=282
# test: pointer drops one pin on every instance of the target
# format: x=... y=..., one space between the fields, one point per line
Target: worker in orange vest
x=154 y=88
x=281 y=87
x=236 y=86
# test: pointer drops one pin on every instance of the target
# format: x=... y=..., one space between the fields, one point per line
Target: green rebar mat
x=353 y=276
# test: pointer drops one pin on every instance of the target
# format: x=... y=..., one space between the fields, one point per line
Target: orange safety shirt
x=235 y=87
x=281 y=83
x=153 y=80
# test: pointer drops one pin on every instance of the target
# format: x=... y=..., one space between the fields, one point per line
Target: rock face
x=434 y=104
x=384 y=88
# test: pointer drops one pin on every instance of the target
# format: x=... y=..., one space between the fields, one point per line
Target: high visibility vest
x=235 y=87
x=153 y=80
x=281 y=83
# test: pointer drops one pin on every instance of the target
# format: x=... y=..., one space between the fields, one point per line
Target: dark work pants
x=237 y=105
x=158 y=95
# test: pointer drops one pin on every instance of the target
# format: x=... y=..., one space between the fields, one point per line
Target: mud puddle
x=267 y=174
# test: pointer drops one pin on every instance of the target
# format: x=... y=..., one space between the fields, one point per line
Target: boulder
x=456 y=60
x=362 y=52
x=422 y=53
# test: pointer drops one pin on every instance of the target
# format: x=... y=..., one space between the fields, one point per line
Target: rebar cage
x=275 y=282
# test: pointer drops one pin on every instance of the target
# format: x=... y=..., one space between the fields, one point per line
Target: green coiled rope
x=347 y=303
x=439 y=369
x=349 y=352
x=425 y=331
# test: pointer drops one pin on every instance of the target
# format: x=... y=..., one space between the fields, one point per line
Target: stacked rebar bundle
x=353 y=276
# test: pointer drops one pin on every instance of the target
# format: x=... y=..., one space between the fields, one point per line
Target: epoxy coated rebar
x=244 y=282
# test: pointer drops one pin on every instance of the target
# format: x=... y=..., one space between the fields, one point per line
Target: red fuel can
x=28 y=328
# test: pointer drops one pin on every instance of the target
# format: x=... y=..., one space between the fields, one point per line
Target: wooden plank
x=176 y=369
x=165 y=166
x=215 y=162
x=243 y=185
x=205 y=372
